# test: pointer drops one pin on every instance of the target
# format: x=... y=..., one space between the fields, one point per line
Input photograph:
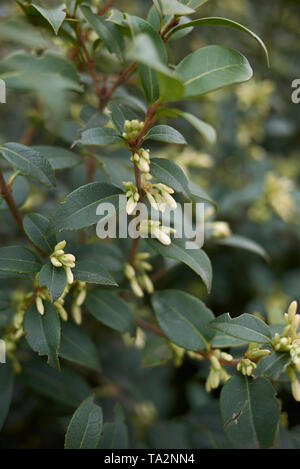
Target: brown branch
x=105 y=94
x=7 y=196
x=102 y=10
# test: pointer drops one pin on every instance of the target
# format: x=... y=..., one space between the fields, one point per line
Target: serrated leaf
x=6 y=390
x=250 y=412
x=106 y=30
x=18 y=260
x=210 y=68
x=196 y=259
x=29 y=162
x=54 y=278
x=79 y=209
x=165 y=133
x=58 y=157
x=85 y=427
x=54 y=14
x=99 y=136
x=43 y=332
x=35 y=226
x=183 y=318
x=245 y=327
x=215 y=21
x=110 y=309
x=92 y=272
x=273 y=365
x=115 y=435
x=65 y=386
x=242 y=242
x=76 y=346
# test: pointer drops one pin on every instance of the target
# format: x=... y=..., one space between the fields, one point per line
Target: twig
x=102 y=10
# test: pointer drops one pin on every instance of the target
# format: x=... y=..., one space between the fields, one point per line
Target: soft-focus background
x=252 y=172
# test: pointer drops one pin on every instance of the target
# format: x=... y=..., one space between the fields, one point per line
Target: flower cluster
x=132 y=195
x=137 y=275
x=142 y=159
x=156 y=230
x=60 y=259
x=159 y=195
x=217 y=373
x=132 y=129
x=246 y=366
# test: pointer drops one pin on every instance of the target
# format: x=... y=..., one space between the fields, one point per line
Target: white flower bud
x=60 y=245
x=81 y=298
x=161 y=236
x=143 y=165
x=76 y=314
x=130 y=206
x=129 y=271
x=292 y=310
x=40 y=305
x=55 y=261
x=148 y=284
x=169 y=199
x=69 y=274
x=136 y=288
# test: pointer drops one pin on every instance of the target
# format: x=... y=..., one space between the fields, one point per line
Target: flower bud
x=69 y=274
x=129 y=271
x=55 y=261
x=136 y=288
x=60 y=245
x=40 y=305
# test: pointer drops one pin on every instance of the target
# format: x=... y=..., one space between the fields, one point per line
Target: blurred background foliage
x=252 y=172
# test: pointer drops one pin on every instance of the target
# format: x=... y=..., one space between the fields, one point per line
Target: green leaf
x=173 y=7
x=204 y=129
x=20 y=190
x=245 y=327
x=272 y=366
x=223 y=22
x=29 y=162
x=54 y=14
x=156 y=352
x=85 y=427
x=106 y=30
x=198 y=194
x=110 y=309
x=165 y=84
x=196 y=259
x=210 y=68
x=6 y=390
x=115 y=435
x=43 y=332
x=35 y=226
x=241 y=242
x=92 y=272
x=79 y=209
x=183 y=318
x=165 y=133
x=250 y=412
x=171 y=174
x=65 y=386
x=119 y=114
x=195 y=4
x=99 y=136
x=19 y=260
x=76 y=346
x=54 y=278
x=58 y=157
x=221 y=340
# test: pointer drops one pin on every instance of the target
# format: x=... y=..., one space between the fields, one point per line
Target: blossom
x=59 y=259
x=159 y=195
x=132 y=195
x=132 y=129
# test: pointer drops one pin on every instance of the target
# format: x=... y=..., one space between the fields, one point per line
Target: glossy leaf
x=29 y=162
x=183 y=318
x=115 y=435
x=165 y=133
x=43 y=332
x=195 y=4
x=210 y=68
x=99 y=136
x=196 y=259
x=85 y=426
x=250 y=412
x=18 y=260
x=242 y=242
x=119 y=114
x=35 y=226
x=204 y=129
x=246 y=327
x=76 y=346
x=54 y=278
x=54 y=14
x=58 y=157
x=169 y=173
x=273 y=365
x=110 y=309
x=173 y=7
x=79 y=209
x=92 y=272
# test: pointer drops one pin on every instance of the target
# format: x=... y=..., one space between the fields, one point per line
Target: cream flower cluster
x=159 y=195
x=156 y=230
x=132 y=129
x=132 y=195
x=59 y=259
x=142 y=159
x=137 y=275
x=246 y=366
x=217 y=373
